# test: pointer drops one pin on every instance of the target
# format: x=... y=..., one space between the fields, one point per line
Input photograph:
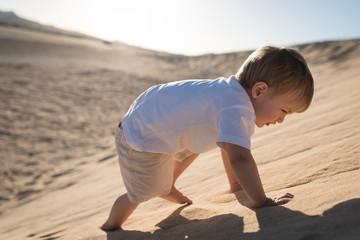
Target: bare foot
x=176 y=197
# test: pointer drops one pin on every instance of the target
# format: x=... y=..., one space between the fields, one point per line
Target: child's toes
x=187 y=200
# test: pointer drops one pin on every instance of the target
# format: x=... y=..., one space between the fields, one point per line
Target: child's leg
x=120 y=211
x=234 y=184
x=179 y=168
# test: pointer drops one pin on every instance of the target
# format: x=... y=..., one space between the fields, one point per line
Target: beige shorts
x=145 y=175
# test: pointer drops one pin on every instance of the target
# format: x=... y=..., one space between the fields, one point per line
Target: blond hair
x=283 y=69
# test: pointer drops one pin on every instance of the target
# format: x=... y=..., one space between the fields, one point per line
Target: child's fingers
x=283 y=199
x=287 y=195
x=279 y=200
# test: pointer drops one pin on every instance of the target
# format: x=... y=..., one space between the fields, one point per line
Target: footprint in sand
x=189 y=214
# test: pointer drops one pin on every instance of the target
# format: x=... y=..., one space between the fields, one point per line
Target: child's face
x=270 y=109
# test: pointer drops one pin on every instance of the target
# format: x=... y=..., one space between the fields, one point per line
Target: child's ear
x=259 y=89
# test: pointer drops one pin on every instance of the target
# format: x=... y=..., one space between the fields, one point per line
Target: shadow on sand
x=340 y=222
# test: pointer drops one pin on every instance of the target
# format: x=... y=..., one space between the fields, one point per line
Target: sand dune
x=61 y=98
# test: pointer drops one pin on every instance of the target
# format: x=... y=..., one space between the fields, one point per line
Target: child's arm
x=233 y=182
x=246 y=172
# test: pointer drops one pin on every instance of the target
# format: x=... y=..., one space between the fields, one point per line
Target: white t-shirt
x=191 y=114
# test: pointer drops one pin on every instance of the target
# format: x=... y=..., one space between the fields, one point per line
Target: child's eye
x=284 y=111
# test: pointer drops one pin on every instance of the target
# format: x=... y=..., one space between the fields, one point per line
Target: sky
x=194 y=27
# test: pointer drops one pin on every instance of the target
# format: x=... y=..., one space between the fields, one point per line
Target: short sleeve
x=235 y=125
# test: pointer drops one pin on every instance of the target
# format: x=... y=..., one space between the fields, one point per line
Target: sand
x=61 y=98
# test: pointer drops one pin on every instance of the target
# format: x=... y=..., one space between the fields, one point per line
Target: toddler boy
x=169 y=125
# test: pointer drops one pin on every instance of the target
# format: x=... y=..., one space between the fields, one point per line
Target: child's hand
x=278 y=200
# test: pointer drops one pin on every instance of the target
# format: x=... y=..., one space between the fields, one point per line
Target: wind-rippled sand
x=61 y=98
